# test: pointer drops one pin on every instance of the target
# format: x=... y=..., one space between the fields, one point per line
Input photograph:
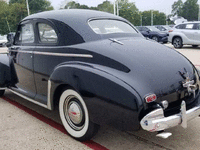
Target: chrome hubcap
x=74 y=113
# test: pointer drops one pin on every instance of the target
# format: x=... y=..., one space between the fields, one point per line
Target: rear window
x=107 y=26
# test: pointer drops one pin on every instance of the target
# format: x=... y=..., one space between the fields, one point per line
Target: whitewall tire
x=75 y=117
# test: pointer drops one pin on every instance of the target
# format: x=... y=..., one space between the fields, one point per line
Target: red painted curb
x=91 y=144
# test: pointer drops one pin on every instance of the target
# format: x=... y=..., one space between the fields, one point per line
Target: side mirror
x=10 y=38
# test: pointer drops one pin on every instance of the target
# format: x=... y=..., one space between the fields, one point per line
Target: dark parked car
x=98 y=69
x=153 y=33
x=164 y=28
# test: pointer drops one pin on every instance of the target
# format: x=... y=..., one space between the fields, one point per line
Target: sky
x=142 y=5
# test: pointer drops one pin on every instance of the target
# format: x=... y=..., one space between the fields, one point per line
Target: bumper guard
x=156 y=121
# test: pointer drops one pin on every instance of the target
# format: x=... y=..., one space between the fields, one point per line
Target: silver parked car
x=185 y=33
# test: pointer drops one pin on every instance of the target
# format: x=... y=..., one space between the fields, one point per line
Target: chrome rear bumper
x=156 y=121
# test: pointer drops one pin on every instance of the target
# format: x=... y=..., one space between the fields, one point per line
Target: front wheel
x=177 y=42
x=2 y=92
x=75 y=117
x=155 y=38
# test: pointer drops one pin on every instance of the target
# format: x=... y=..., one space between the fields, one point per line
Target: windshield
x=108 y=26
x=152 y=28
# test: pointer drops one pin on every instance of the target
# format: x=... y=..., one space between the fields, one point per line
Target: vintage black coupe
x=98 y=69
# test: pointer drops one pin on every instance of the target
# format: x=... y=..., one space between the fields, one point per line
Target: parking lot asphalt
x=26 y=126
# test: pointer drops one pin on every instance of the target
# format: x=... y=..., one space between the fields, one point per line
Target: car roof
x=70 y=15
x=188 y=22
x=77 y=19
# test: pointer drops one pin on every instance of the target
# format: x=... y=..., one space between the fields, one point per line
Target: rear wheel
x=2 y=92
x=75 y=117
x=177 y=42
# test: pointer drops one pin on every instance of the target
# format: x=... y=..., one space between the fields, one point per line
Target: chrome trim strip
x=29 y=99
x=28 y=52
x=64 y=54
x=55 y=54
x=49 y=101
x=2 y=88
x=156 y=121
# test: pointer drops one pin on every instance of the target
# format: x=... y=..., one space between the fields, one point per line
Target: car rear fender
x=108 y=98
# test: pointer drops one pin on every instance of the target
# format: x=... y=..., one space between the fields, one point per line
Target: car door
x=22 y=54
x=197 y=34
x=189 y=33
x=44 y=60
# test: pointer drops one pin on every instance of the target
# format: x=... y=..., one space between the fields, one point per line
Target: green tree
x=146 y=18
x=35 y=5
x=10 y=16
x=129 y=11
x=106 y=6
x=4 y=19
x=177 y=8
x=74 y=5
x=158 y=18
x=190 y=10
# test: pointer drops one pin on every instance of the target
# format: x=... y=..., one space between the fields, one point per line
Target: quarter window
x=47 y=34
x=189 y=26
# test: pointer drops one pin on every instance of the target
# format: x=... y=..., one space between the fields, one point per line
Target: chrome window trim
x=29 y=99
x=55 y=54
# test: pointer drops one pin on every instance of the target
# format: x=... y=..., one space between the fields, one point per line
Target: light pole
x=114 y=7
x=199 y=14
x=117 y=8
x=27 y=7
x=151 y=17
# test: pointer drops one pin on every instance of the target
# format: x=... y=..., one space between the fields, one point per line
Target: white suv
x=185 y=33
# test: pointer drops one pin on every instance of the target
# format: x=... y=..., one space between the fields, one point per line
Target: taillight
x=170 y=30
x=150 y=98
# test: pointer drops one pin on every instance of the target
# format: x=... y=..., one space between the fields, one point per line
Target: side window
x=25 y=34
x=181 y=26
x=47 y=34
x=197 y=26
x=189 y=26
x=145 y=29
